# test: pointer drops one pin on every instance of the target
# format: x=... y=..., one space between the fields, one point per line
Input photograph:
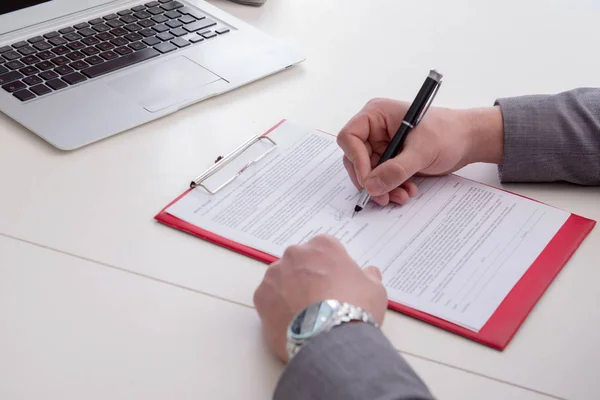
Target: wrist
x=485 y=135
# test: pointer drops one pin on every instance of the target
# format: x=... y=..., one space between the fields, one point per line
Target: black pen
x=413 y=116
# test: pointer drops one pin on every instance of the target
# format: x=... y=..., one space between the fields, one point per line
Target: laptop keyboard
x=56 y=60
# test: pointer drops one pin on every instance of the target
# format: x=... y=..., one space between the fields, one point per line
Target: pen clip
x=435 y=91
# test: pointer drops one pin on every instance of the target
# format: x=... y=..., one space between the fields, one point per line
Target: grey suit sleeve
x=552 y=137
x=350 y=362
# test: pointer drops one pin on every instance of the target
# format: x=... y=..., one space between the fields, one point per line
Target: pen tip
x=353 y=214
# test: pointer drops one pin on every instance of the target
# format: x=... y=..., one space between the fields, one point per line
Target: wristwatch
x=322 y=317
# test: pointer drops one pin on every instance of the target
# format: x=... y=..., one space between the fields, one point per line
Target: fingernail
x=375 y=186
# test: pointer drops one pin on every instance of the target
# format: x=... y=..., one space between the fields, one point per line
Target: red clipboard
x=508 y=317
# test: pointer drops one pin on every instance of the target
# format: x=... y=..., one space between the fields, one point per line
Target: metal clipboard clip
x=223 y=161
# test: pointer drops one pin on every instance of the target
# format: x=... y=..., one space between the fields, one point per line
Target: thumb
x=373 y=273
x=394 y=172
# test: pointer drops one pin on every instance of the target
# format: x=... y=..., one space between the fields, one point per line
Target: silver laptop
x=77 y=71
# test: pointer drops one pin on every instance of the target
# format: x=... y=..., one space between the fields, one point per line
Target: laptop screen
x=7 y=6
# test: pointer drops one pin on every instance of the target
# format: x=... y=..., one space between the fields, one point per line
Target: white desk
x=98 y=203
x=73 y=329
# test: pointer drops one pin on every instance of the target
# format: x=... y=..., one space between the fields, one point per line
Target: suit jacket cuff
x=352 y=361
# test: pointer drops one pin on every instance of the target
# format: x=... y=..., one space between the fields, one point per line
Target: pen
x=413 y=116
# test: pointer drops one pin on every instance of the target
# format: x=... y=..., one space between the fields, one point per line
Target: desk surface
x=98 y=203
x=74 y=329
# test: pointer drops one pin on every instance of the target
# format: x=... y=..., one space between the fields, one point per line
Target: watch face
x=311 y=320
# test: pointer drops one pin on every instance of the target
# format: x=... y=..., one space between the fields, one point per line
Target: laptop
x=77 y=71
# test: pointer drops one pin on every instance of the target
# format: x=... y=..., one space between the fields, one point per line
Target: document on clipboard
x=461 y=255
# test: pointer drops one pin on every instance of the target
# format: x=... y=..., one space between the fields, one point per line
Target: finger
x=351 y=173
x=399 y=196
x=382 y=200
x=373 y=273
x=352 y=140
x=393 y=173
x=411 y=188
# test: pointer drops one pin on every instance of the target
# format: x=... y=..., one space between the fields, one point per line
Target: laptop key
x=27 y=50
x=33 y=80
x=24 y=95
x=3 y=70
x=59 y=61
x=138 y=8
x=82 y=25
x=87 y=32
x=44 y=65
x=173 y=14
x=79 y=65
x=155 y=10
x=76 y=45
x=105 y=36
x=48 y=75
x=4 y=49
x=74 y=78
x=115 y=23
x=110 y=17
x=179 y=32
x=187 y=19
x=92 y=40
x=125 y=12
x=163 y=1
x=90 y=51
x=14 y=86
x=190 y=11
x=133 y=27
x=142 y=15
x=57 y=41
x=119 y=32
x=18 y=45
x=56 y=84
x=196 y=39
x=64 y=70
x=29 y=70
x=208 y=34
x=120 y=42
x=137 y=46
x=10 y=77
x=119 y=63
x=109 y=55
x=152 y=4
x=171 y=6
x=96 y=21
x=41 y=89
x=134 y=37
x=180 y=42
x=152 y=41
x=15 y=64
x=159 y=19
x=35 y=39
x=51 y=35
x=146 y=23
x=165 y=36
x=45 y=55
x=60 y=50
x=174 y=23
x=160 y=28
x=11 y=55
x=129 y=19
x=105 y=46
x=66 y=30
x=73 y=36
x=124 y=50
x=41 y=46
x=30 y=60
x=147 y=32
x=101 y=28
x=198 y=25
x=76 y=55
x=221 y=31
x=94 y=60
x=165 y=47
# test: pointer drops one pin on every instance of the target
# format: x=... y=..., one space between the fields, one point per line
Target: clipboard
x=500 y=327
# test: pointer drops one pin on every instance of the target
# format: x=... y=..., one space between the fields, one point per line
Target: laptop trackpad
x=164 y=84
